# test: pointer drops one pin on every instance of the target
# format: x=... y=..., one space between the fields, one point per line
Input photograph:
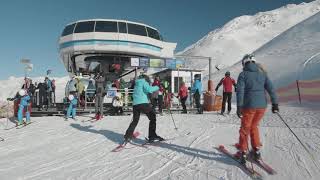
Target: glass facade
x=106 y=26
x=111 y=26
x=68 y=30
x=82 y=27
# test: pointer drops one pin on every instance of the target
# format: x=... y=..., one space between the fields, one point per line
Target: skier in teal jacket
x=141 y=105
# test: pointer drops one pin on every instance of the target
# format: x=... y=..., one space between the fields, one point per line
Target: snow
x=246 y=34
x=51 y=148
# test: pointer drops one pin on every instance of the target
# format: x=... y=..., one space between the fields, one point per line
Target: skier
x=251 y=105
x=141 y=105
x=100 y=84
x=23 y=105
x=72 y=108
x=227 y=83
x=196 y=89
x=157 y=96
x=183 y=95
x=117 y=104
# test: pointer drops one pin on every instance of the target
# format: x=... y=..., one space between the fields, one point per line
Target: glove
x=239 y=114
x=235 y=89
x=189 y=88
x=9 y=99
x=216 y=89
x=275 y=108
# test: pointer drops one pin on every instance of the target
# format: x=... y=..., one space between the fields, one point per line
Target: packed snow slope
x=246 y=33
x=293 y=55
x=51 y=148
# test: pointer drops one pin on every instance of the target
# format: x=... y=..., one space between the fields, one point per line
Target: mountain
x=291 y=56
x=246 y=33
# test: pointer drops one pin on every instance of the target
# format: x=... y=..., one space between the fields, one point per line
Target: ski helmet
x=70 y=97
x=227 y=73
x=22 y=92
x=248 y=58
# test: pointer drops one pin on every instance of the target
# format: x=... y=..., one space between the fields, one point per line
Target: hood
x=251 y=67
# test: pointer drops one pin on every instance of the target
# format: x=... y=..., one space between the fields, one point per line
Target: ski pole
x=175 y=127
x=310 y=154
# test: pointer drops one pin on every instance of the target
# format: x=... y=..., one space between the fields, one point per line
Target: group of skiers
x=37 y=95
x=250 y=89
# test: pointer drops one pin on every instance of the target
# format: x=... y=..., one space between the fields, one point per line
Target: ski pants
x=250 y=120
x=71 y=111
x=99 y=104
x=146 y=109
x=20 y=113
x=197 y=100
x=183 y=103
x=227 y=96
x=157 y=101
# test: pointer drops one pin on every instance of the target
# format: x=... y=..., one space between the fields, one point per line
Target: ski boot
x=255 y=154
x=242 y=156
x=155 y=138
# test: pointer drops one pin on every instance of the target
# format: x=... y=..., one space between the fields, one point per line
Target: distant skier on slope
x=227 y=83
x=196 y=89
x=141 y=105
x=251 y=105
x=72 y=108
x=100 y=93
x=23 y=106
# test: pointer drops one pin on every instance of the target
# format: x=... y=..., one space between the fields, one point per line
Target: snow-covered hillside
x=293 y=55
x=245 y=34
x=12 y=85
x=51 y=148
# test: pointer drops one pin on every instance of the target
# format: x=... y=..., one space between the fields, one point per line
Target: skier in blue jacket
x=72 y=108
x=253 y=83
x=196 y=89
x=23 y=105
x=141 y=105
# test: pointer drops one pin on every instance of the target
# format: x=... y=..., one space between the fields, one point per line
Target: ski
x=259 y=162
x=122 y=146
x=24 y=125
x=251 y=172
x=262 y=165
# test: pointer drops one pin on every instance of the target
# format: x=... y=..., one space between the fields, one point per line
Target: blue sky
x=31 y=28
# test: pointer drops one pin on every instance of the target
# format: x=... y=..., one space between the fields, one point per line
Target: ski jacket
x=197 y=86
x=183 y=91
x=227 y=83
x=251 y=87
x=24 y=100
x=141 y=91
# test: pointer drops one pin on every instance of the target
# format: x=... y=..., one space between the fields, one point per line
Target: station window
x=153 y=33
x=83 y=27
x=122 y=27
x=137 y=29
x=68 y=30
x=106 y=26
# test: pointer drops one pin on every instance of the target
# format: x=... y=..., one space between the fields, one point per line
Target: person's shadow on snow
x=189 y=151
x=112 y=136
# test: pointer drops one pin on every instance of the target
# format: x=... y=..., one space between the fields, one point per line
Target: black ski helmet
x=144 y=76
x=248 y=58
x=227 y=73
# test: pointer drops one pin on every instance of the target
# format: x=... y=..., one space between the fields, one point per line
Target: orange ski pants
x=250 y=120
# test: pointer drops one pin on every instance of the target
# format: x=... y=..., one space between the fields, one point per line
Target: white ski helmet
x=22 y=92
x=248 y=58
x=70 y=97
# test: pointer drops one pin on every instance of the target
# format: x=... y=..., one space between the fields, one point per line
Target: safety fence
x=300 y=91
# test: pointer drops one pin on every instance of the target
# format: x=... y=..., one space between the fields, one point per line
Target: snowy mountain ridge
x=246 y=33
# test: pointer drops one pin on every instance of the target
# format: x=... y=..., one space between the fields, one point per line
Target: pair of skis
x=247 y=169
x=20 y=125
x=135 y=135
